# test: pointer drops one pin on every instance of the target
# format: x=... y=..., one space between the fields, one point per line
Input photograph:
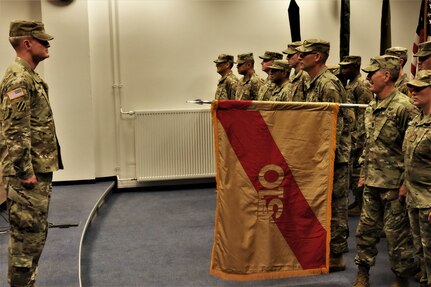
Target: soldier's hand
x=361 y=182
x=429 y=217
x=402 y=193
x=30 y=182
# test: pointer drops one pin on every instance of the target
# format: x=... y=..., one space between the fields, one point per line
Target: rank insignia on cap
x=15 y=93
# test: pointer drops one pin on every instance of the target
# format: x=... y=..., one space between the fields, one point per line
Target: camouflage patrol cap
x=397 y=51
x=280 y=65
x=222 y=58
x=314 y=45
x=291 y=48
x=242 y=58
x=424 y=49
x=270 y=55
x=423 y=79
x=29 y=28
x=383 y=62
x=334 y=69
x=350 y=60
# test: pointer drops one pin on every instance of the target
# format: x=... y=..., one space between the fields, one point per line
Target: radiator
x=174 y=145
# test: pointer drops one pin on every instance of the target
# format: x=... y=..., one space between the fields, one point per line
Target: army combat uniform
x=359 y=94
x=296 y=87
x=385 y=124
x=31 y=146
x=265 y=90
x=417 y=179
x=326 y=87
x=226 y=87
x=249 y=89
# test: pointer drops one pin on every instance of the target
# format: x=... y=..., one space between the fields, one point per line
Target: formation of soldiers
x=369 y=151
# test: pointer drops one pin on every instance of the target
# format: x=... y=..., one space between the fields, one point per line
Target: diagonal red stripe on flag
x=255 y=148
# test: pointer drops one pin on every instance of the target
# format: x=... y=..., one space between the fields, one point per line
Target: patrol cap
x=270 y=55
x=29 y=28
x=222 y=58
x=383 y=62
x=424 y=49
x=423 y=79
x=350 y=60
x=291 y=48
x=280 y=65
x=242 y=58
x=314 y=45
x=397 y=51
x=334 y=69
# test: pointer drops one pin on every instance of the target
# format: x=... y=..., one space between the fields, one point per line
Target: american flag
x=423 y=32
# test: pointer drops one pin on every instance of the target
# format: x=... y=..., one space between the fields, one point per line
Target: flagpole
x=206 y=102
x=425 y=21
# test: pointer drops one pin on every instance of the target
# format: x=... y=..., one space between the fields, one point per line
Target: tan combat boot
x=336 y=263
x=363 y=277
x=400 y=282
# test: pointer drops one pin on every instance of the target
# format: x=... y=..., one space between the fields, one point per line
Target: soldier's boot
x=363 y=277
x=400 y=282
x=354 y=211
x=336 y=263
x=418 y=276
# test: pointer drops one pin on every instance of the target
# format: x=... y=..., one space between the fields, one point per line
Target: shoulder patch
x=15 y=93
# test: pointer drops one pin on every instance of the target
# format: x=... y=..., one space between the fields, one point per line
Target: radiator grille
x=174 y=145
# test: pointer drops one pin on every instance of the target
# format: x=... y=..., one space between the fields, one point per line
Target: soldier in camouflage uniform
x=325 y=87
x=386 y=120
x=358 y=93
x=298 y=78
x=423 y=54
x=401 y=83
x=31 y=150
x=279 y=75
x=417 y=176
x=265 y=90
x=249 y=85
x=228 y=83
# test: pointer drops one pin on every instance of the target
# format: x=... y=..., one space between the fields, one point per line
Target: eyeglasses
x=417 y=89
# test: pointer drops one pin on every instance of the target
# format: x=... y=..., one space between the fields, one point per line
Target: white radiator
x=174 y=145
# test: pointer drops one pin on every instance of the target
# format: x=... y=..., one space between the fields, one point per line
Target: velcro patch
x=21 y=106
x=15 y=93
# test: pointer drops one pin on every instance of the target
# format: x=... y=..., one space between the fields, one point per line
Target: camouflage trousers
x=421 y=230
x=339 y=221
x=28 y=218
x=382 y=209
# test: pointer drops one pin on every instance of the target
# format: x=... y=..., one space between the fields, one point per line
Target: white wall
x=166 y=50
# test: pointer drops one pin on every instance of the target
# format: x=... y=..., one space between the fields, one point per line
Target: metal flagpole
x=202 y=102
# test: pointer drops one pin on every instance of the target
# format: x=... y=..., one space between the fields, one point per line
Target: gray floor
x=59 y=261
x=165 y=239
x=151 y=238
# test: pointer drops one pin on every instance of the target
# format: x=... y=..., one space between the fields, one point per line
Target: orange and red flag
x=274 y=183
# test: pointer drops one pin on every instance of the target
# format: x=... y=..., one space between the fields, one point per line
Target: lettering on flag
x=274 y=182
